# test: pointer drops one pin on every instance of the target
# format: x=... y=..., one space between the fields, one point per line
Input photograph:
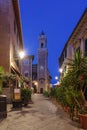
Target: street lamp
x=60 y=70
x=21 y=54
x=35 y=83
x=56 y=77
x=57 y=83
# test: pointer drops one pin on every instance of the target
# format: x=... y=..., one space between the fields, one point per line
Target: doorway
x=41 y=90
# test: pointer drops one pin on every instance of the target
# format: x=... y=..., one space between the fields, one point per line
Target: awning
x=15 y=71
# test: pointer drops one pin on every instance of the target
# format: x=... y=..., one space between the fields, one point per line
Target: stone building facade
x=34 y=78
x=10 y=34
x=77 y=41
x=26 y=68
x=11 y=42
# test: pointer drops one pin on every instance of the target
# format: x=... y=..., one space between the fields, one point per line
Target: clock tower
x=42 y=69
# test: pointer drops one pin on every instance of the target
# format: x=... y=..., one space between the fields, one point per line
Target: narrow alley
x=42 y=114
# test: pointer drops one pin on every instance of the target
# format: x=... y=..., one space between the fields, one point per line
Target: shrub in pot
x=75 y=82
x=46 y=93
x=26 y=95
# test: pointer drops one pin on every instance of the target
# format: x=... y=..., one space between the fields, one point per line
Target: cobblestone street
x=42 y=114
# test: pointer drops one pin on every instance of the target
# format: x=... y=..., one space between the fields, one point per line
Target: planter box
x=83 y=120
x=17 y=104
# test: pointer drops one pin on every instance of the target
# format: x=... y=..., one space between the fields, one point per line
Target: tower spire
x=42 y=33
x=42 y=40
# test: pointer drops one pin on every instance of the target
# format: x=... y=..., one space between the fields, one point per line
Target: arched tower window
x=42 y=45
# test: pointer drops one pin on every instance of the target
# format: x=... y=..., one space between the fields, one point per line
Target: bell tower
x=42 y=63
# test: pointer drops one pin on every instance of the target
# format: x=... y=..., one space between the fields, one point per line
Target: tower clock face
x=41 y=67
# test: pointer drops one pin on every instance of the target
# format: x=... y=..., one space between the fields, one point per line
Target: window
x=26 y=74
x=14 y=26
x=17 y=37
x=34 y=76
x=26 y=62
x=41 y=81
x=65 y=69
x=5 y=83
x=78 y=49
x=86 y=47
x=42 y=45
x=15 y=54
x=62 y=57
x=65 y=53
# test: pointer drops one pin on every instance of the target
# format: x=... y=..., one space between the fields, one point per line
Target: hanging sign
x=17 y=94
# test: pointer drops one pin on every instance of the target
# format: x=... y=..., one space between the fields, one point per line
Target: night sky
x=57 y=18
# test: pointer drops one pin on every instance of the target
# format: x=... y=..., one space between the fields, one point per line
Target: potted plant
x=83 y=118
x=26 y=95
x=75 y=82
x=46 y=93
x=3 y=102
x=1 y=78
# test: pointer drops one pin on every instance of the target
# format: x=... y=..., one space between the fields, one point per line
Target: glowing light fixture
x=60 y=70
x=36 y=83
x=21 y=54
x=56 y=77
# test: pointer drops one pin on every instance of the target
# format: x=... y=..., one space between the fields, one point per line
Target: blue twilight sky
x=57 y=18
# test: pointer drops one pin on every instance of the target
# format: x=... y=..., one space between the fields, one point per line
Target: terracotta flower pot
x=83 y=120
x=68 y=110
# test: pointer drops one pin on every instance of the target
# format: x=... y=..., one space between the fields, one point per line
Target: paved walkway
x=41 y=115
